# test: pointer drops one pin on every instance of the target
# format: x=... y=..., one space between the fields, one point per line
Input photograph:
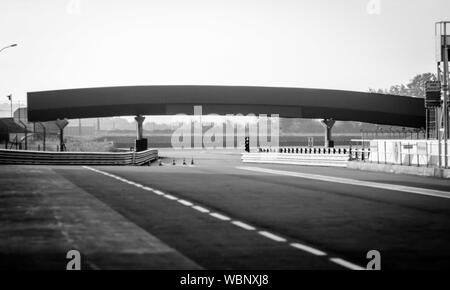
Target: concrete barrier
x=334 y=160
x=77 y=158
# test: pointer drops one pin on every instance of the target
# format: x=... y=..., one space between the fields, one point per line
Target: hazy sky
x=314 y=43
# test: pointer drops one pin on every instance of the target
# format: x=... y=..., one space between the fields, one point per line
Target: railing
x=77 y=158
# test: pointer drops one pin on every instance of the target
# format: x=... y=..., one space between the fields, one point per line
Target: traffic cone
x=192 y=161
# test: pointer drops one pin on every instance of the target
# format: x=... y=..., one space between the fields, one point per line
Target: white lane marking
x=346 y=264
x=409 y=189
x=185 y=202
x=308 y=249
x=171 y=197
x=266 y=234
x=200 y=209
x=158 y=192
x=272 y=236
x=243 y=225
x=220 y=216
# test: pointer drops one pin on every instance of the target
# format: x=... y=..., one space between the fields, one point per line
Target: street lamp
x=12 y=45
x=9 y=96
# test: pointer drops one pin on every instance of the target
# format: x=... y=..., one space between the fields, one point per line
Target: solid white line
x=219 y=216
x=185 y=202
x=272 y=236
x=200 y=209
x=410 y=189
x=171 y=197
x=308 y=249
x=346 y=264
x=243 y=225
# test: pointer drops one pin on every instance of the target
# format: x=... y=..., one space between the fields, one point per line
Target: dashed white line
x=346 y=264
x=272 y=236
x=158 y=192
x=220 y=216
x=185 y=202
x=243 y=225
x=308 y=249
x=171 y=197
x=240 y=224
x=200 y=209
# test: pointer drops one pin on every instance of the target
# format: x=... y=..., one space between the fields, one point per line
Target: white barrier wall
x=335 y=160
x=407 y=152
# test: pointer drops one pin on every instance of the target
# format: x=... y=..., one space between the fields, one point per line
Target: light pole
x=9 y=96
x=8 y=46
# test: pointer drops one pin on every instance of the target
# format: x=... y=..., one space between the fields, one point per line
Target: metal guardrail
x=76 y=158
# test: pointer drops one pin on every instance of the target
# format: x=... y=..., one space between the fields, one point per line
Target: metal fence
x=393 y=133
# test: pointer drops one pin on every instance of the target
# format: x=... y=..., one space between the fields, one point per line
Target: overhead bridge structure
x=329 y=105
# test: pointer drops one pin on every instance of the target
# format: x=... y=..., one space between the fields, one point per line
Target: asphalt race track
x=221 y=214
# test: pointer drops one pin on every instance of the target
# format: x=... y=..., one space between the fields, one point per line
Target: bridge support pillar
x=141 y=142
x=140 y=128
x=328 y=125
